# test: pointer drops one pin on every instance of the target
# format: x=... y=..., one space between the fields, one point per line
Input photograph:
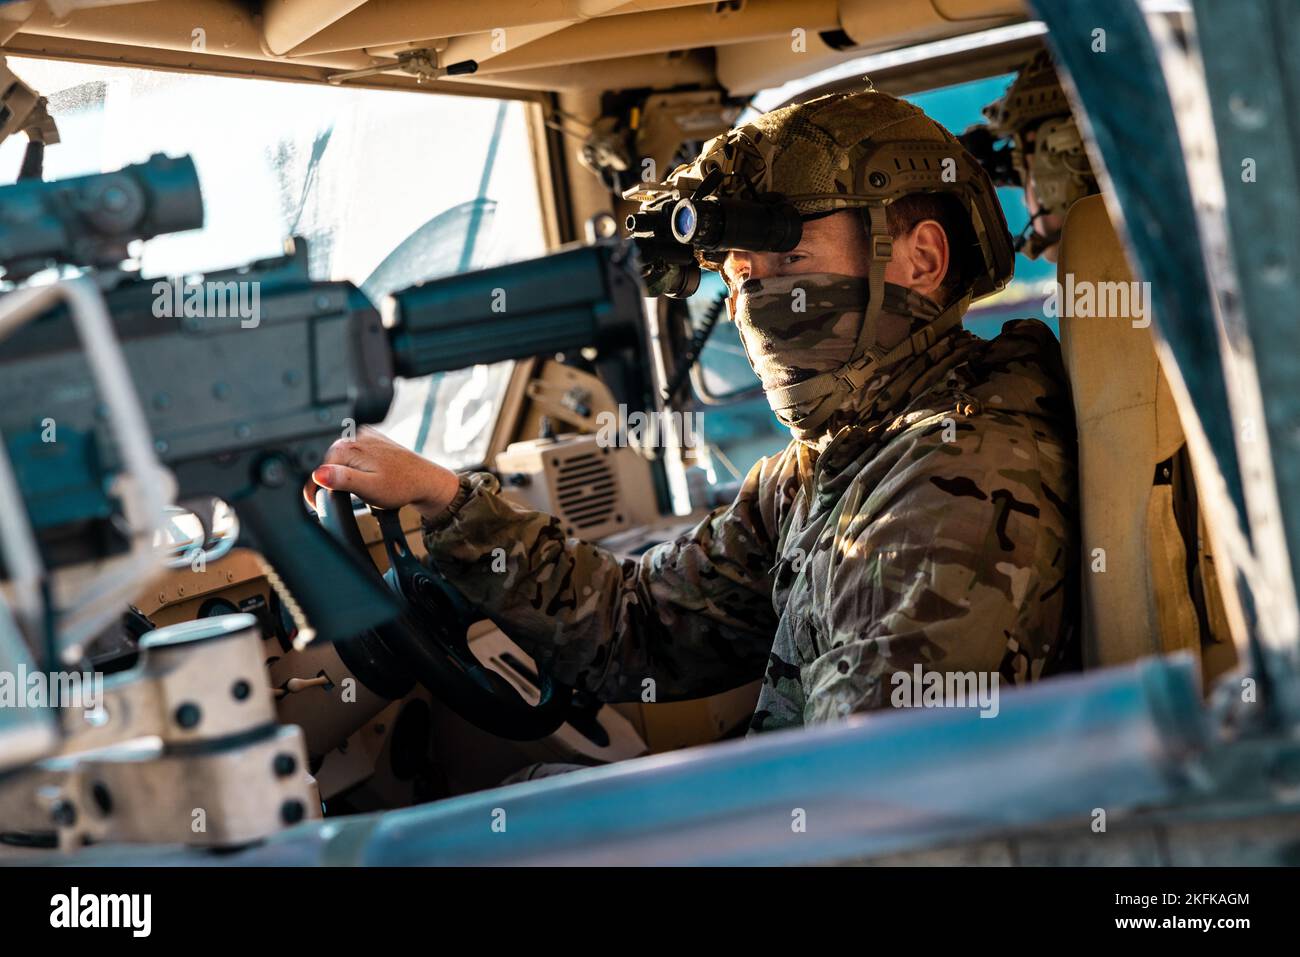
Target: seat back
x=1135 y=592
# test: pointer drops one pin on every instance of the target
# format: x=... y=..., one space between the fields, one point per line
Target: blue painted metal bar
x=883 y=783
x=1251 y=58
x=1106 y=52
x=1224 y=306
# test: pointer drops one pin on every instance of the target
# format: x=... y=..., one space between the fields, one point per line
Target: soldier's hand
x=384 y=474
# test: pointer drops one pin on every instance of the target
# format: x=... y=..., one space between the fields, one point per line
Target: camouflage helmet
x=860 y=150
x=1033 y=96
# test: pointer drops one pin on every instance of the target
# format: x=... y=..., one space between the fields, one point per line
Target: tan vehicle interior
x=676 y=65
x=1135 y=480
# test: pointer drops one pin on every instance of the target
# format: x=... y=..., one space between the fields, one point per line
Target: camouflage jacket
x=937 y=527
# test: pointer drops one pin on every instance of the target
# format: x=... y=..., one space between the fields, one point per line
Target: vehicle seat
x=1135 y=592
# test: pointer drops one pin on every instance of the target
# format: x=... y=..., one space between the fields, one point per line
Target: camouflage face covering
x=798 y=328
x=795 y=327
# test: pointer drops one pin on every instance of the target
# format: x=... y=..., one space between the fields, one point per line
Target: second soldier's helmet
x=751 y=187
x=1054 y=156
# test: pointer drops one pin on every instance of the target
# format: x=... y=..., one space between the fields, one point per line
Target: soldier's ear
x=926 y=257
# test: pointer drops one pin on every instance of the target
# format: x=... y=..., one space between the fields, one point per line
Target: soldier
x=921 y=516
x=1047 y=153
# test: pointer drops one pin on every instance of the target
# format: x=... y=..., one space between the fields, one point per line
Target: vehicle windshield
x=387 y=188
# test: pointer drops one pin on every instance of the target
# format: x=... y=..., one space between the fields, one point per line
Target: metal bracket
x=422 y=64
x=182 y=748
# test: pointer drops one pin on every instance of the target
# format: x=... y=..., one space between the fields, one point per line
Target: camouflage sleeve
x=692 y=615
x=956 y=559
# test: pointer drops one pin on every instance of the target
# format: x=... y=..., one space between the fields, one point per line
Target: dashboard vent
x=592 y=489
x=586 y=490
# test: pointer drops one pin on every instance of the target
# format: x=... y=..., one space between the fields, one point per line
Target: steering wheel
x=431 y=637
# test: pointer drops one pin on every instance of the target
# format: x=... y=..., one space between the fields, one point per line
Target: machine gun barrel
x=581 y=296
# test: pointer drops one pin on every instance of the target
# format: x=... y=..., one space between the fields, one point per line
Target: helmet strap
x=882 y=250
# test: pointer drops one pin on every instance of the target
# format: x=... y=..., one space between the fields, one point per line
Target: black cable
x=711 y=316
x=1026 y=234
